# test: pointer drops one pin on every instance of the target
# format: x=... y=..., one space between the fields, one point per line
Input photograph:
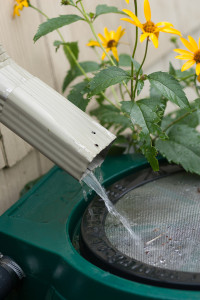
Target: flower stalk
x=138 y=72
x=134 y=50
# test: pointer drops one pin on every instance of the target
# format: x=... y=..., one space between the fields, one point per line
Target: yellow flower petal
x=102 y=38
x=154 y=39
x=127 y=1
x=181 y=51
x=25 y=3
x=132 y=16
x=198 y=69
x=112 y=35
x=115 y=54
x=147 y=10
x=193 y=42
x=107 y=34
x=187 y=45
x=93 y=43
x=128 y=20
x=144 y=36
x=185 y=56
x=188 y=65
x=104 y=55
x=171 y=30
x=119 y=33
x=164 y=24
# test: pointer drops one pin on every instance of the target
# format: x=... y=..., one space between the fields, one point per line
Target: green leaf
x=106 y=78
x=146 y=119
x=105 y=9
x=88 y=66
x=172 y=70
x=109 y=116
x=73 y=47
x=55 y=23
x=182 y=147
x=76 y=95
x=169 y=87
x=125 y=61
x=136 y=66
x=140 y=86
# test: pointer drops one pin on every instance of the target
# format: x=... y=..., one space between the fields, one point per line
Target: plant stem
x=99 y=41
x=179 y=119
x=115 y=96
x=121 y=92
x=108 y=100
x=186 y=77
x=72 y=55
x=138 y=72
x=134 y=50
x=67 y=47
x=196 y=87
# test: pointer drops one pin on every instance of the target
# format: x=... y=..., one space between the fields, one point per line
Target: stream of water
x=95 y=185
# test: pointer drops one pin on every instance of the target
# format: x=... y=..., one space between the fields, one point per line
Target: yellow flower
x=192 y=56
x=110 y=41
x=149 y=29
x=127 y=1
x=20 y=4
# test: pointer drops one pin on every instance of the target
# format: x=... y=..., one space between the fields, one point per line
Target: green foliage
x=55 y=23
x=169 y=87
x=103 y=9
x=182 y=147
x=140 y=124
x=76 y=95
x=106 y=78
x=73 y=46
x=88 y=67
x=111 y=116
x=140 y=86
x=145 y=114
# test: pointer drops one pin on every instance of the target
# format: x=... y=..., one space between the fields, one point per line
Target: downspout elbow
x=49 y=122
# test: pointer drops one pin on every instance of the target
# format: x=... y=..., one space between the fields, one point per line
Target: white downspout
x=49 y=122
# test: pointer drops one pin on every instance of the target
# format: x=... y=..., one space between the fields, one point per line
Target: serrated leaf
x=106 y=78
x=55 y=23
x=76 y=95
x=169 y=87
x=182 y=147
x=109 y=116
x=105 y=9
x=146 y=119
x=88 y=66
x=73 y=47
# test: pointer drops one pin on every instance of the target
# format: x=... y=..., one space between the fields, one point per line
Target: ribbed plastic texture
x=49 y=122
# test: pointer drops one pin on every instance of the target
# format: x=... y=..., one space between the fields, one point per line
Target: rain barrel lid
x=163 y=209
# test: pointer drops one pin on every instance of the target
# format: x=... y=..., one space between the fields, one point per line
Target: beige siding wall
x=19 y=163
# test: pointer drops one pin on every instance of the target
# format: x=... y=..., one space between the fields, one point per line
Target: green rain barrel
x=70 y=248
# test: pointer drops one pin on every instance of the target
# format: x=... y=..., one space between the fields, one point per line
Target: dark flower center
x=197 y=56
x=111 y=43
x=149 y=27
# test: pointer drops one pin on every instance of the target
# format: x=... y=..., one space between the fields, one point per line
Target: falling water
x=95 y=185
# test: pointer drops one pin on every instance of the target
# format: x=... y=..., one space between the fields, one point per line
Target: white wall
x=19 y=163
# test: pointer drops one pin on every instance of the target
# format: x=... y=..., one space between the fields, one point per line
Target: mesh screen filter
x=165 y=214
